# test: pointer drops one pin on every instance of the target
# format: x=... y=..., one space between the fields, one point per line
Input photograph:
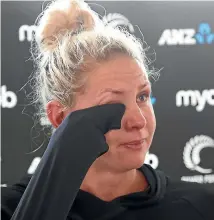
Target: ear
x=55 y=113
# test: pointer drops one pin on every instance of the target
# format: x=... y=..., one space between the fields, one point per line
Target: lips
x=134 y=142
x=135 y=145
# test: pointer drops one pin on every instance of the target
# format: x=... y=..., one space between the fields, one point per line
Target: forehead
x=120 y=71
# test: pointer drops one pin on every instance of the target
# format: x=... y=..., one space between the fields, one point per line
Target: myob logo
x=8 y=99
x=195 y=98
x=192 y=160
x=34 y=164
x=152 y=160
x=26 y=32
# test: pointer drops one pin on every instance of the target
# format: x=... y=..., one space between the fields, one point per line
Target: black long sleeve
x=73 y=147
x=164 y=199
x=50 y=193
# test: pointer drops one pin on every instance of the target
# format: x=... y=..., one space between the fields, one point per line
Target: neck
x=108 y=185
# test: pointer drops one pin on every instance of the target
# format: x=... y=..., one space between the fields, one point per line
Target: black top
x=163 y=199
x=53 y=193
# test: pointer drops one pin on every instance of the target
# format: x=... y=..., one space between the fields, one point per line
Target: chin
x=122 y=160
x=133 y=159
x=134 y=163
x=129 y=162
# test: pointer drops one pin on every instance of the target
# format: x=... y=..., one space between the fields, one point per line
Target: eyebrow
x=121 y=91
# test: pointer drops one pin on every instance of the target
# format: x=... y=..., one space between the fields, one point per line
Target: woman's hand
x=88 y=126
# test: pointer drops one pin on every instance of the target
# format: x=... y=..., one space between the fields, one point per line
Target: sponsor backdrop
x=181 y=40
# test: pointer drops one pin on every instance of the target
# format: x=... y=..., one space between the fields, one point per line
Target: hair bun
x=63 y=16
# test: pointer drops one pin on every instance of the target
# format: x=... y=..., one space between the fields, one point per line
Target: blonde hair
x=71 y=40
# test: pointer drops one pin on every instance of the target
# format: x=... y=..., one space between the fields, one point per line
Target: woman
x=93 y=85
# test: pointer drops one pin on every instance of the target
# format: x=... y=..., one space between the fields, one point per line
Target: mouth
x=136 y=144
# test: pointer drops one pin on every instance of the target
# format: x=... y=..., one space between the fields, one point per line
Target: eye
x=143 y=97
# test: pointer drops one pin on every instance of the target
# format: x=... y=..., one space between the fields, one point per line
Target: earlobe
x=55 y=113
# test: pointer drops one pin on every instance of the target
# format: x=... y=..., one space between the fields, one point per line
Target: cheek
x=150 y=118
x=112 y=137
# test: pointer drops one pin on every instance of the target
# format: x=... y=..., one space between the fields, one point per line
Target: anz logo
x=203 y=35
x=153 y=100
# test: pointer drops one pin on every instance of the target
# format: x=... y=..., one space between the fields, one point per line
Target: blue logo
x=204 y=34
x=153 y=100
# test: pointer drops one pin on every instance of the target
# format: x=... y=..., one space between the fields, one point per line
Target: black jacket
x=164 y=199
x=52 y=193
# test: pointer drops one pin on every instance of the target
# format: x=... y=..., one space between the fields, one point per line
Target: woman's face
x=121 y=80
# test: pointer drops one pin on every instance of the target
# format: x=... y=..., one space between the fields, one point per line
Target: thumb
x=107 y=117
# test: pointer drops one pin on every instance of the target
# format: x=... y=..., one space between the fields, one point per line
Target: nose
x=133 y=119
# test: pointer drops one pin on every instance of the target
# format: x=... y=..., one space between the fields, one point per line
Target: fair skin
x=119 y=80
